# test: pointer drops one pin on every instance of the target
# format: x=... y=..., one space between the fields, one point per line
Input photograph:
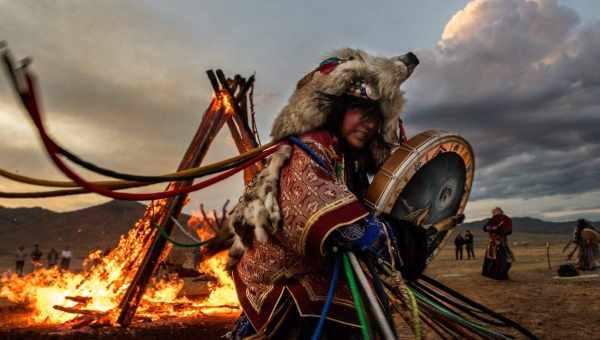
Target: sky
x=123 y=85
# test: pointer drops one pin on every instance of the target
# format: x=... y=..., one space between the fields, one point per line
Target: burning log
x=212 y=121
x=238 y=122
x=124 y=273
x=205 y=278
x=93 y=321
x=79 y=311
x=80 y=299
x=221 y=306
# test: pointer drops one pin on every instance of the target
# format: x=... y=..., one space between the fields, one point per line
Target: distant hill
x=100 y=226
x=531 y=225
x=96 y=227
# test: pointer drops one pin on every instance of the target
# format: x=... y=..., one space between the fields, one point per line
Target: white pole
x=373 y=302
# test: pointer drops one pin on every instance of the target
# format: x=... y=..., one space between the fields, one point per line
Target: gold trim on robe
x=313 y=203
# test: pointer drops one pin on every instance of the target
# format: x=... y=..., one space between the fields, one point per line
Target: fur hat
x=348 y=72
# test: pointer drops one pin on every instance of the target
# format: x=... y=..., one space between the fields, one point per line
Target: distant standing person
x=588 y=249
x=498 y=257
x=459 y=242
x=65 y=258
x=20 y=260
x=36 y=257
x=52 y=258
x=469 y=240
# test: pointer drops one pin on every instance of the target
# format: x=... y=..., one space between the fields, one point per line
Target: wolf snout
x=409 y=59
x=412 y=59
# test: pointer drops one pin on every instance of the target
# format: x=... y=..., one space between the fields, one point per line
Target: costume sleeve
x=313 y=201
x=494 y=223
x=506 y=225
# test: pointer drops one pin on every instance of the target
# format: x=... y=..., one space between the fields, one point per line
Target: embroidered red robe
x=313 y=203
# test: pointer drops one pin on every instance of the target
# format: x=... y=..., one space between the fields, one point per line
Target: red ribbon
x=30 y=102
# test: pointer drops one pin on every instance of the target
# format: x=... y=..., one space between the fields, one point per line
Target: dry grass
x=550 y=308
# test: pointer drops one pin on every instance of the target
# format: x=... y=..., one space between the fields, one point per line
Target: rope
x=413 y=307
x=380 y=290
x=473 y=326
x=177 y=176
x=29 y=100
x=360 y=309
x=90 y=187
x=164 y=234
x=185 y=232
x=490 y=312
x=147 y=180
x=298 y=142
x=23 y=84
x=396 y=282
x=385 y=327
x=44 y=194
x=330 y=293
x=51 y=148
x=466 y=309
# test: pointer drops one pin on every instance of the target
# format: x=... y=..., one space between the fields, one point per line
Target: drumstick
x=447 y=223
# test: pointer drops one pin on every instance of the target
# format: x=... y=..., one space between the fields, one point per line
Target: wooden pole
x=548 y=255
x=212 y=121
x=238 y=121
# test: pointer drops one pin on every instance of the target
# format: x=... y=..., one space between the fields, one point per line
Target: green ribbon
x=360 y=308
x=164 y=234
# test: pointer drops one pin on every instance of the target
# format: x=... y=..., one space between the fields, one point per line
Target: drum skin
x=433 y=170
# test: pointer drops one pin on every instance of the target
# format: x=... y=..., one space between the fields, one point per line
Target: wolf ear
x=325 y=67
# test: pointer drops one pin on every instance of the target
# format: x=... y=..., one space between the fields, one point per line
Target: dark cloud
x=516 y=78
x=124 y=84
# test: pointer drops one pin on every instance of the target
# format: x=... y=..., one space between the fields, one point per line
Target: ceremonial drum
x=432 y=172
x=590 y=235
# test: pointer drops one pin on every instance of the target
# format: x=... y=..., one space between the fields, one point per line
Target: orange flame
x=102 y=285
x=227 y=103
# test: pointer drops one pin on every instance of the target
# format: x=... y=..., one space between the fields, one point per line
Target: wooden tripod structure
x=231 y=101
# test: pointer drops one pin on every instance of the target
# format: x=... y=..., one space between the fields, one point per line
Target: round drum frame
x=406 y=160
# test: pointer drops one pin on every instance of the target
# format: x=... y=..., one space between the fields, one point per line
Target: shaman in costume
x=586 y=247
x=498 y=256
x=345 y=116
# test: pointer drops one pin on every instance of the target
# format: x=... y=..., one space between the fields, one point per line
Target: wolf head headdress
x=348 y=72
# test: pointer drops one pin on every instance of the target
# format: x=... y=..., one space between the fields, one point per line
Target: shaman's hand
x=367 y=235
x=410 y=245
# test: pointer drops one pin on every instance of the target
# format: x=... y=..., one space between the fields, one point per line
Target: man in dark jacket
x=20 y=260
x=469 y=240
x=52 y=258
x=36 y=257
x=459 y=242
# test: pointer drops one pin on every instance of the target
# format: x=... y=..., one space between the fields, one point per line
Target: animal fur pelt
x=256 y=215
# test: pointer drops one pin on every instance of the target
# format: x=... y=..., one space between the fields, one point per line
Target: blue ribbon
x=330 y=293
x=299 y=143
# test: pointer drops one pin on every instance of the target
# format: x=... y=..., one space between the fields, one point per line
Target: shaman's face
x=358 y=129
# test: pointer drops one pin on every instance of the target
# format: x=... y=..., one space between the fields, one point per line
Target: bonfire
x=57 y=297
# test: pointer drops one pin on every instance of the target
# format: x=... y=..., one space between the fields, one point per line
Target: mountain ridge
x=95 y=227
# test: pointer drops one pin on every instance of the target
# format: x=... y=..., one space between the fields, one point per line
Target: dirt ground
x=551 y=308
x=209 y=327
